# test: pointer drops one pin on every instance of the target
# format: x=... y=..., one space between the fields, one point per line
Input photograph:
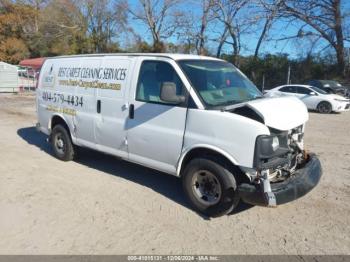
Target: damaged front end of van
x=282 y=170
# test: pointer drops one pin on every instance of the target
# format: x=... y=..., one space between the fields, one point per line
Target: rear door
x=111 y=111
x=84 y=77
x=155 y=130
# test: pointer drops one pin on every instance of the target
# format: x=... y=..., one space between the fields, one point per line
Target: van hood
x=282 y=113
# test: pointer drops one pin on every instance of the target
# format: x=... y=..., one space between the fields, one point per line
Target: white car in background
x=313 y=97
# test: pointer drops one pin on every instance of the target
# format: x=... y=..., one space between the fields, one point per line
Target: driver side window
x=152 y=75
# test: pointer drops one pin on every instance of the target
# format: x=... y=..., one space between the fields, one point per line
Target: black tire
x=324 y=107
x=222 y=203
x=62 y=144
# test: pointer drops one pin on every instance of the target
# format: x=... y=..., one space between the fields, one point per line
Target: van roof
x=167 y=55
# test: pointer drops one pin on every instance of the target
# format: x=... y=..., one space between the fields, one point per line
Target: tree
x=226 y=12
x=193 y=34
x=270 y=12
x=16 y=27
x=37 y=5
x=61 y=30
x=160 y=17
x=325 y=18
x=206 y=16
x=104 y=20
x=221 y=40
x=187 y=35
x=13 y=50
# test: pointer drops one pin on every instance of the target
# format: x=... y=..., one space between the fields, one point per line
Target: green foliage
x=275 y=69
x=56 y=27
x=13 y=50
x=144 y=47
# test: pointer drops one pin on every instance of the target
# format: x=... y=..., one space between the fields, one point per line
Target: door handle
x=98 y=106
x=131 y=111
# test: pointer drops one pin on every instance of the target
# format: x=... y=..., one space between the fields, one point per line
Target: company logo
x=48 y=78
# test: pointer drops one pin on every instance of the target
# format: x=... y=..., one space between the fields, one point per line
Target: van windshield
x=219 y=83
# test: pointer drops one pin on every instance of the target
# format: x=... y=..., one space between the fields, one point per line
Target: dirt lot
x=101 y=205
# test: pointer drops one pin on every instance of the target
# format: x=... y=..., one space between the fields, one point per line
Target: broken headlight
x=270 y=147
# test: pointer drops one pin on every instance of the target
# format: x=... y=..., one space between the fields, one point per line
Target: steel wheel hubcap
x=206 y=187
x=59 y=143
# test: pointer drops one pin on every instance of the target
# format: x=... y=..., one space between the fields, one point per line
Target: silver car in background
x=314 y=98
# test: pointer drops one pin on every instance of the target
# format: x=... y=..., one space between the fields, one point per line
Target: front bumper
x=341 y=107
x=303 y=181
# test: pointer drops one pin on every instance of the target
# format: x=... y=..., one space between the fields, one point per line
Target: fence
x=27 y=79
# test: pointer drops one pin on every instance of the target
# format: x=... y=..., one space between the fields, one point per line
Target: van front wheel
x=62 y=144
x=210 y=187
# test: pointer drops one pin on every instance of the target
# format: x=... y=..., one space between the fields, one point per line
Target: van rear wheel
x=210 y=187
x=62 y=144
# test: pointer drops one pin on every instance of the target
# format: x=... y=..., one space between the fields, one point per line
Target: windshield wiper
x=230 y=102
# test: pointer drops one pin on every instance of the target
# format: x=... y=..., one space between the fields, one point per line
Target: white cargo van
x=194 y=117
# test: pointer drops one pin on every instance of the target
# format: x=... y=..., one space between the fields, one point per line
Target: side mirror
x=313 y=94
x=168 y=93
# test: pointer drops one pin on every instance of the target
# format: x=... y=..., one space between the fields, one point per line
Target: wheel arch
x=59 y=119
x=206 y=150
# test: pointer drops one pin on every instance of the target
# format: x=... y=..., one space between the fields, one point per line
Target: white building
x=8 y=78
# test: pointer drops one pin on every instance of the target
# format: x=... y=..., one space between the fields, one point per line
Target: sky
x=280 y=29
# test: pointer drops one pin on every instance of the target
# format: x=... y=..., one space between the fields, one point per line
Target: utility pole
x=288 y=76
x=263 y=84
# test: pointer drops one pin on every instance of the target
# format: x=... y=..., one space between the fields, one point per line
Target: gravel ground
x=102 y=205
